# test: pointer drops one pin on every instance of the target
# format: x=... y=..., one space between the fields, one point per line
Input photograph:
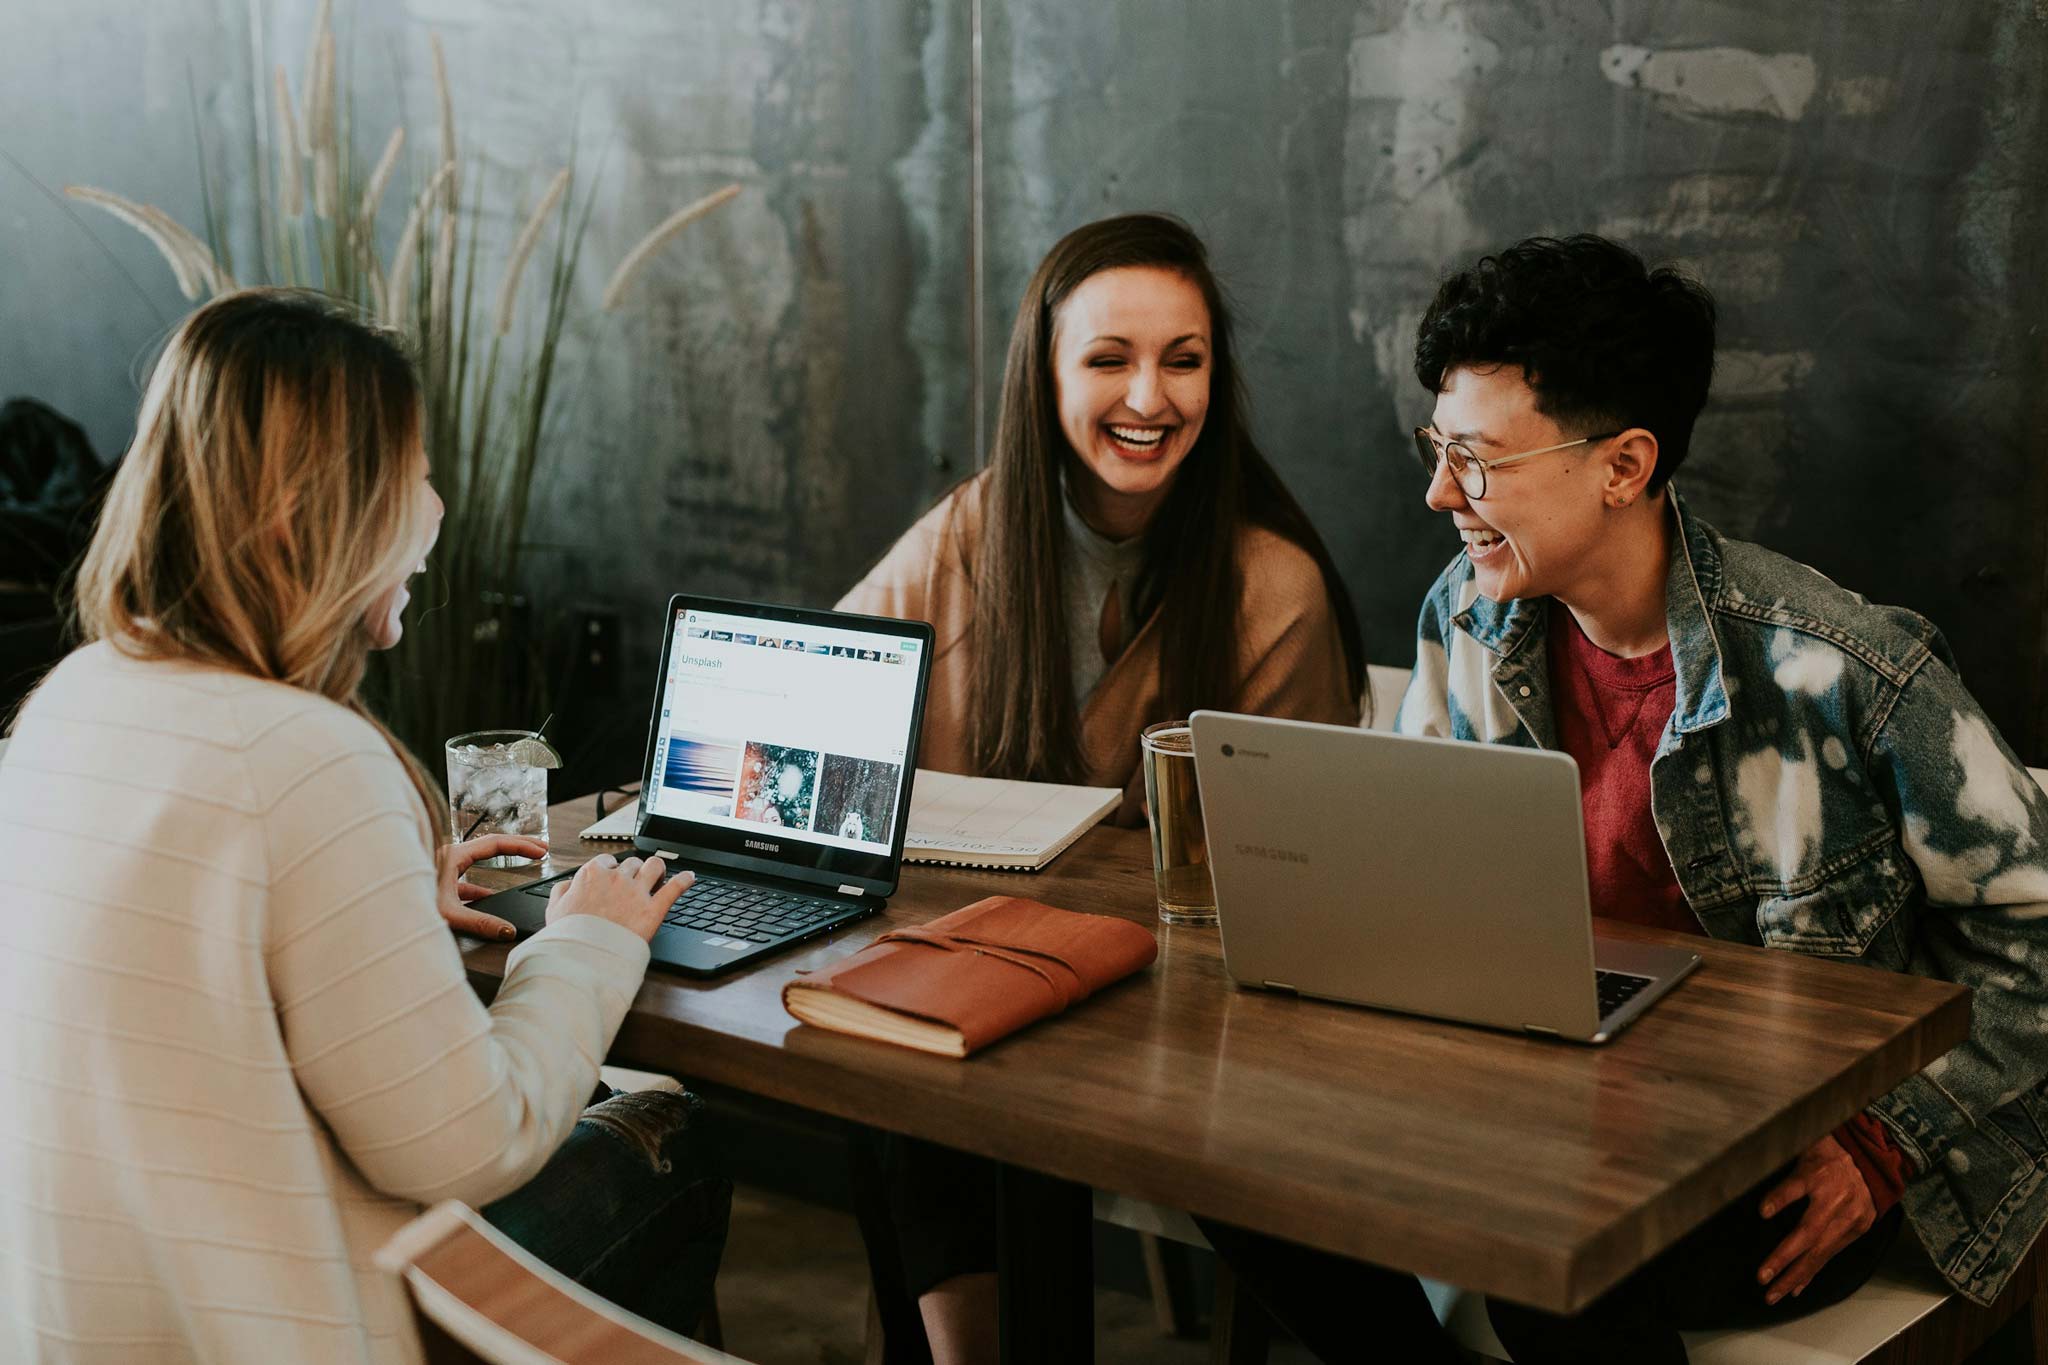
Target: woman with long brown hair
x=1128 y=556
x=237 y=1046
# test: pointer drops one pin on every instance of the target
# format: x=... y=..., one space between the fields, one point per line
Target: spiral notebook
x=968 y=821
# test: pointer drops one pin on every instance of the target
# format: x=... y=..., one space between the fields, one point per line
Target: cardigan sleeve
x=1294 y=664
x=925 y=574
x=893 y=587
x=431 y=1095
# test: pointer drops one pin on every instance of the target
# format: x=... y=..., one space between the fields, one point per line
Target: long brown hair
x=269 y=498
x=1024 y=719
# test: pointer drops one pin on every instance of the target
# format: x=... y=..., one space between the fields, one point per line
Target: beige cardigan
x=237 y=1047
x=1291 y=656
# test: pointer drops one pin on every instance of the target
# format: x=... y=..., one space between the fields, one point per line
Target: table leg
x=1046 y=1267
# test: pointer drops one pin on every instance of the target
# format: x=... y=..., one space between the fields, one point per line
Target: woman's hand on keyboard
x=624 y=893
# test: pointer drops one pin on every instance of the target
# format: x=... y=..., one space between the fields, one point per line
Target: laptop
x=778 y=769
x=1430 y=876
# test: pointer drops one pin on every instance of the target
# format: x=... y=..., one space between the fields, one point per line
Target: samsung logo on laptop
x=763 y=845
x=1275 y=855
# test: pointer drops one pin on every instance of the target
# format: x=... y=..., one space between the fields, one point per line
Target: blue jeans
x=630 y=1208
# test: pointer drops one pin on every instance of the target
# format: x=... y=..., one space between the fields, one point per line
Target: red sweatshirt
x=1610 y=716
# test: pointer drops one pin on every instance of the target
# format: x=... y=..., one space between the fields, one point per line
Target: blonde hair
x=267 y=502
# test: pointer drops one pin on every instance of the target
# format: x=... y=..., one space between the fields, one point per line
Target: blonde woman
x=237 y=1048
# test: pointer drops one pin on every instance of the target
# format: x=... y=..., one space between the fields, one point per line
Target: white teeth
x=1481 y=539
x=1138 y=436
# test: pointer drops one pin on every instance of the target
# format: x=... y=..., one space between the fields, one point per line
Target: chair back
x=477 y=1296
x=1384 y=690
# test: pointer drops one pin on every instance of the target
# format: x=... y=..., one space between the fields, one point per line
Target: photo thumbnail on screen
x=857 y=798
x=700 y=775
x=778 y=786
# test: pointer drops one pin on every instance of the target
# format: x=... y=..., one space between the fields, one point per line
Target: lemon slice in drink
x=534 y=752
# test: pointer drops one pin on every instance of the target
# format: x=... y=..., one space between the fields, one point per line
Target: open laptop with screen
x=778 y=768
x=1430 y=876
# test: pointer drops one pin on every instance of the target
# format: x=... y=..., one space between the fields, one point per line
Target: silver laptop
x=1430 y=876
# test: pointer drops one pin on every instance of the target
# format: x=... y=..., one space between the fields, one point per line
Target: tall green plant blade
x=212 y=219
x=462 y=356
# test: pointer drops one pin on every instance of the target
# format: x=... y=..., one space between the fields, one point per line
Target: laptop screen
x=785 y=737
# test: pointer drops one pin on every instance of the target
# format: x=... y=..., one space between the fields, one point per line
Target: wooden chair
x=1906 y=1315
x=1166 y=1237
x=1384 y=687
x=1239 y=1332
x=477 y=1296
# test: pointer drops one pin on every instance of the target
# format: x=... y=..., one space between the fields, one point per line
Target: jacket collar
x=1692 y=585
x=1691 y=589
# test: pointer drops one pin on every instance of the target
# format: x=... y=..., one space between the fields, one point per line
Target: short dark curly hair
x=1605 y=342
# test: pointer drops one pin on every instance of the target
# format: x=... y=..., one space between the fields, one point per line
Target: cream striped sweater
x=236 y=1045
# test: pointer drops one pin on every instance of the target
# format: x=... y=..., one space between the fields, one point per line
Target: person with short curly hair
x=1763 y=757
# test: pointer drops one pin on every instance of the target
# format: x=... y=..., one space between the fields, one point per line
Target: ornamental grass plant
x=472 y=657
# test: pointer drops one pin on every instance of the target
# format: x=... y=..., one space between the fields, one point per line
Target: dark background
x=1861 y=186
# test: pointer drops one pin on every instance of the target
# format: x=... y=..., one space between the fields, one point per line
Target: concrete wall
x=94 y=93
x=1859 y=185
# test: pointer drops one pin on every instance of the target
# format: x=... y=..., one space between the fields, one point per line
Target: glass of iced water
x=498 y=784
x=1173 y=807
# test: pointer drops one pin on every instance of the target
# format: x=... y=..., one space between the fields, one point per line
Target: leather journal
x=971 y=977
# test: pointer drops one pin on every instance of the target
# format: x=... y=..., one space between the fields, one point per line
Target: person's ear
x=1631 y=460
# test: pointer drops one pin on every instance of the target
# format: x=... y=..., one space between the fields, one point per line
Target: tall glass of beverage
x=498 y=784
x=1173 y=807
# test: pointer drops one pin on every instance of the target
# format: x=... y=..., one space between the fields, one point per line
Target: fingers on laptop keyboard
x=668 y=892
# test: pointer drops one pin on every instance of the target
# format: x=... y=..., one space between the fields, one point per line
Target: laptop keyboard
x=1617 y=989
x=757 y=914
x=738 y=910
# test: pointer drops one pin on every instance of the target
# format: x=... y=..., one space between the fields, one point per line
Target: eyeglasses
x=1468 y=469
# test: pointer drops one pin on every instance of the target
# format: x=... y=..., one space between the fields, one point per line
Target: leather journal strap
x=1066 y=985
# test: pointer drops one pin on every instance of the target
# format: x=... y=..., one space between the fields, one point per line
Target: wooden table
x=1538 y=1171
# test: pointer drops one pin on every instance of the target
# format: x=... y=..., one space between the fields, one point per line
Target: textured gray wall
x=96 y=92
x=1858 y=184
x=777 y=395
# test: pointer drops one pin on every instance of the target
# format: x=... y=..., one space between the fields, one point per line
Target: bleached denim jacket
x=1826 y=785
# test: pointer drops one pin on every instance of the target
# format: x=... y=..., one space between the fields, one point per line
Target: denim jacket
x=1826 y=785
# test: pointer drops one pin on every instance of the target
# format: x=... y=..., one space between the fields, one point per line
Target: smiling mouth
x=1136 y=440
x=1480 y=541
